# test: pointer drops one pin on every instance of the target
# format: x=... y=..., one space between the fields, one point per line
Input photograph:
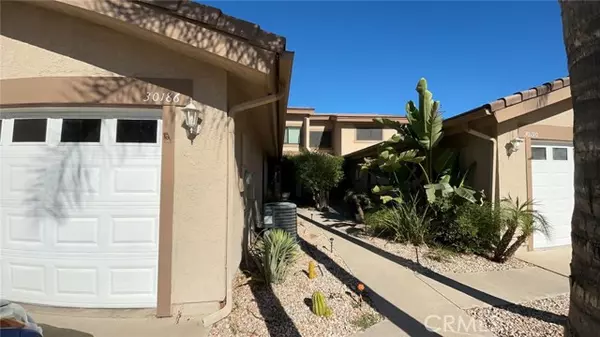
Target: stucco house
x=523 y=147
x=337 y=134
x=111 y=196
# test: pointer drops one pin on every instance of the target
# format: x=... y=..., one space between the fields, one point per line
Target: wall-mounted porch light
x=514 y=145
x=193 y=118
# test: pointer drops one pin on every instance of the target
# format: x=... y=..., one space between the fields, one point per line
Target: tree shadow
x=398 y=317
x=465 y=289
x=278 y=322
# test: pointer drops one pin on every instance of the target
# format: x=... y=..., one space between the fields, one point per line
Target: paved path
x=68 y=326
x=557 y=260
x=429 y=304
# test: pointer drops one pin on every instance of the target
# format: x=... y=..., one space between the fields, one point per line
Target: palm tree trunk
x=581 y=27
x=504 y=242
x=513 y=249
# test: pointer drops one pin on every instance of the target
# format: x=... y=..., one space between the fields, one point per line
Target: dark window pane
x=538 y=153
x=369 y=134
x=559 y=153
x=320 y=139
x=136 y=131
x=29 y=130
x=0 y=129
x=80 y=130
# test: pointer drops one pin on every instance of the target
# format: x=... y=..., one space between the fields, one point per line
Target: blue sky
x=366 y=57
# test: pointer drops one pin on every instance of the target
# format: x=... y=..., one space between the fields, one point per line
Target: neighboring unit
x=110 y=197
x=523 y=147
x=337 y=134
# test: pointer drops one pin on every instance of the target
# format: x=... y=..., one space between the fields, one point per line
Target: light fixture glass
x=192 y=117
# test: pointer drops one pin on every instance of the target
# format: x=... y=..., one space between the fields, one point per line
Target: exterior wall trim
x=93 y=90
x=167 y=194
x=541 y=132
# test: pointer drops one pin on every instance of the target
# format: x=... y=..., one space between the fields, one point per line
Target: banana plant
x=412 y=154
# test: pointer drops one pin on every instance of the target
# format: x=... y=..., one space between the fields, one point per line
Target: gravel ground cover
x=444 y=262
x=283 y=309
x=439 y=261
x=540 y=318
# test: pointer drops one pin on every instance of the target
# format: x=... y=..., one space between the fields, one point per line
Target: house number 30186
x=531 y=134
x=162 y=97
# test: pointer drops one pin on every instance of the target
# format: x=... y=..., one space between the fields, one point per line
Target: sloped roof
x=214 y=19
x=519 y=97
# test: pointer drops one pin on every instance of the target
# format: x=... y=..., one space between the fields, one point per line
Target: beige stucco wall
x=348 y=142
x=512 y=174
x=52 y=44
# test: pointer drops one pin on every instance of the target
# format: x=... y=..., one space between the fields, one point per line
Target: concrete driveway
x=556 y=260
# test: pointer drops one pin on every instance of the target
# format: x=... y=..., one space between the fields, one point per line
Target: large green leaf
x=465 y=193
x=382 y=189
x=425 y=121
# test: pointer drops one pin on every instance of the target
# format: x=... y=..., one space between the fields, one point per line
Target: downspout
x=494 y=157
x=238 y=108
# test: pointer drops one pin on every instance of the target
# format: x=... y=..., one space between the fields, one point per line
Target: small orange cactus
x=361 y=287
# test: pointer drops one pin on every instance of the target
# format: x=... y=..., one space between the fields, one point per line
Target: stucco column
x=306 y=140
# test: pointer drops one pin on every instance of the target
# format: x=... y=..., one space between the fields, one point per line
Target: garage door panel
x=80 y=220
x=553 y=192
x=136 y=180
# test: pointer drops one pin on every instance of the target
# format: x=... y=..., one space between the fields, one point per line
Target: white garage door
x=79 y=206
x=552 y=177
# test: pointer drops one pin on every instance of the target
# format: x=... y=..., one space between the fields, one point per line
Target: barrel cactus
x=312 y=272
x=319 y=306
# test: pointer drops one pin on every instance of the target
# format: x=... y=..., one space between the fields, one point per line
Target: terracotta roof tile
x=529 y=93
x=497 y=104
x=524 y=95
x=520 y=96
x=513 y=99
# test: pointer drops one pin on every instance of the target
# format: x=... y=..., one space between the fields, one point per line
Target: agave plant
x=518 y=217
x=276 y=252
x=412 y=154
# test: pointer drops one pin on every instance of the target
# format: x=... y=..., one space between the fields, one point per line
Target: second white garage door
x=79 y=207
x=552 y=179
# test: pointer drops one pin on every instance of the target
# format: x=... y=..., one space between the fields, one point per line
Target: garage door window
x=80 y=131
x=538 y=153
x=559 y=153
x=29 y=130
x=136 y=131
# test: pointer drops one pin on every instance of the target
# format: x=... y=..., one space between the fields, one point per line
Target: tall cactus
x=312 y=272
x=319 y=306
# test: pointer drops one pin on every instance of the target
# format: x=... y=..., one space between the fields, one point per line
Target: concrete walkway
x=428 y=303
x=556 y=260
x=60 y=325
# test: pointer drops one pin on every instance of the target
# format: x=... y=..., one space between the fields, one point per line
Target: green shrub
x=403 y=222
x=276 y=252
x=469 y=228
x=376 y=224
x=319 y=173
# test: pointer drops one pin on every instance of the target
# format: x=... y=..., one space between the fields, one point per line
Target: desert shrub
x=470 y=228
x=407 y=222
x=376 y=225
x=275 y=253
